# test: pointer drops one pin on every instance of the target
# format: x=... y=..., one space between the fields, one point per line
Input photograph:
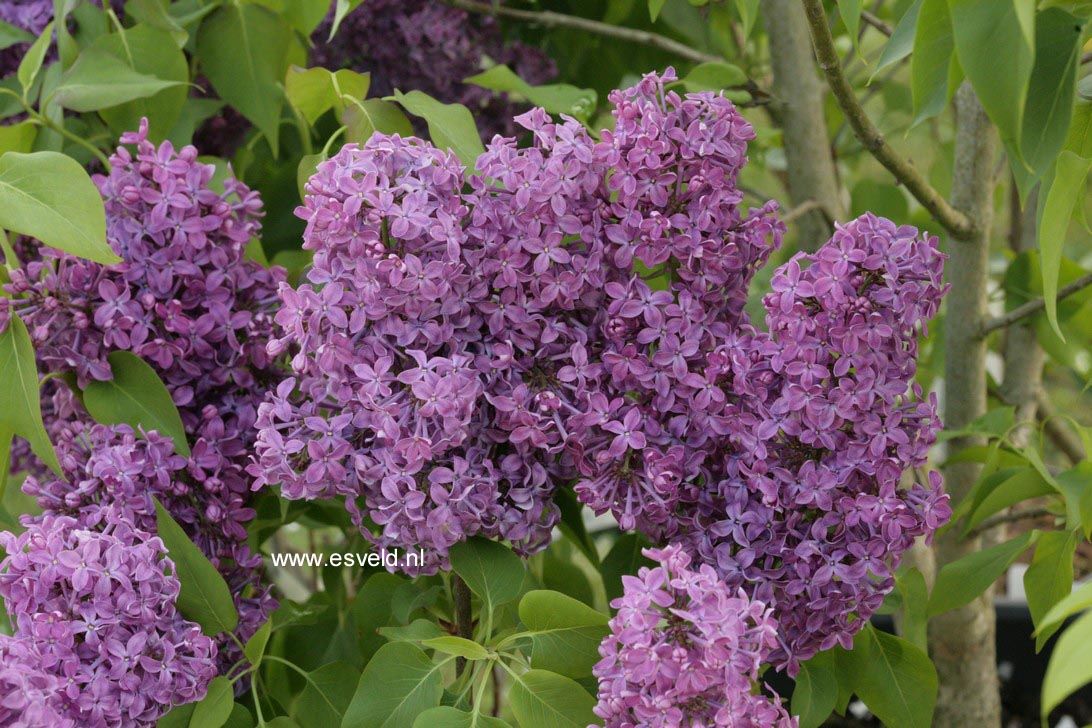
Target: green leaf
x=306 y=170
x=915 y=602
x=1069 y=605
x=204 y=597
x=1069 y=667
x=1050 y=93
x=365 y=118
x=654 y=8
x=450 y=125
x=215 y=708
x=1056 y=202
x=32 y=61
x=624 y=558
x=244 y=52
x=748 y=14
x=11 y=35
x=240 y=718
x=341 y=9
x=491 y=570
x=447 y=717
x=254 y=649
x=572 y=524
x=931 y=66
x=20 y=401
x=558 y=98
x=154 y=13
x=327 y=694
x=372 y=610
x=399 y=683
x=850 y=10
x=962 y=581
x=418 y=630
x=901 y=42
x=18 y=137
x=897 y=681
x=49 y=196
x=816 y=691
x=565 y=633
x=995 y=43
x=1023 y=485
x=1049 y=578
x=99 y=80
x=314 y=91
x=1079 y=138
x=137 y=397
x=458 y=646
x=714 y=76
x=542 y=699
x=149 y=50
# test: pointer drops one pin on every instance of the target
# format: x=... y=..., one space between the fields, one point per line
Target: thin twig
x=1035 y=306
x=1008 y=517
x=876 y=23
x=803 y=209
x=1063 y=439
x=959 y=225
x=551 y=19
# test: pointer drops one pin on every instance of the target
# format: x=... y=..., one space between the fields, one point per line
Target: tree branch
x=876 y=23
x=959 y=225
x=1008 y=517
x=551 y=19
x=1033 y=307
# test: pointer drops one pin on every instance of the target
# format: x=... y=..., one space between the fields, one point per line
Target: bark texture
x=798 y=104
x=962 y=641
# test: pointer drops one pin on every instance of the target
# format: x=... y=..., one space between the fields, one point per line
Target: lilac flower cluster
x=98 y=641
x=578 y=314
x=187 y=301
x=804 y=503
x=685 y=650
x=430 y=47
x=457 y=359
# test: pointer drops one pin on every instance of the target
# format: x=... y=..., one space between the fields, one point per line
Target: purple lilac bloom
x=579 y=313
x=430 y=47
x=98 y=641
x=187 y=301
x=685 y=650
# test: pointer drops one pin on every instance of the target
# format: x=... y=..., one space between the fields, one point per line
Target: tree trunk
x=798 y=104
x=962 y=641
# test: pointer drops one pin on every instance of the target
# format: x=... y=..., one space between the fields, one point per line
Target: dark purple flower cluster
x=578 y=314
x=187 y=301
x=430 y=47
x=98 y=641
x=685 y=650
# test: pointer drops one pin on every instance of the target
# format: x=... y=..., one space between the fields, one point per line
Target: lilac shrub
x=685 y=650
x=187 y=301
x=578 y=316
x=98 y=640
